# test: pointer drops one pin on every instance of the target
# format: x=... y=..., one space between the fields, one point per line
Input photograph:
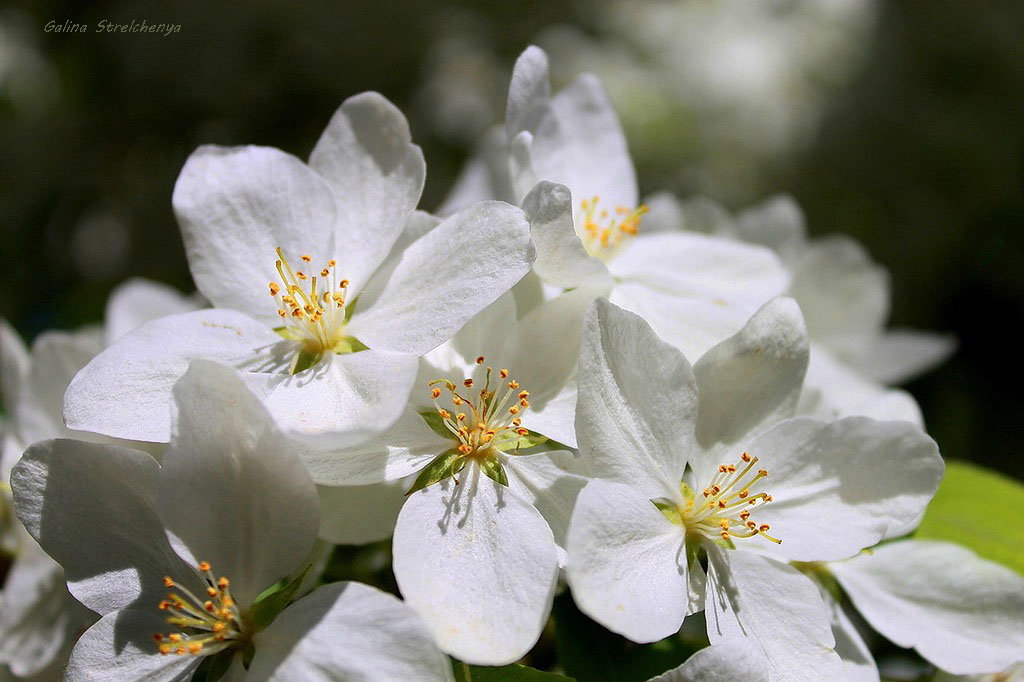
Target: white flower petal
x=752 y=380
x=236 y=205
x=775 y=607
x=345 y=399
x=347 y=631
x=444 y=278
x=120 y=647
x=961 y=612
x=832 y=390
x=140 y=300
x=777 y=223
x=561 y=259
x=529 y=92
x=547 y=481
x=731 y=659
x=401 y=450
x=479 y=565
x=367 y=154
x=542 y=353
x=360 y=514
x=56 y=357
x=486 y=333
x=484 y=176
x=844 y=295
x=693 y=289
x=581 y=145
x=93 y=509
x=858 y=664
x=39 y=620
x=627 y=563
x=899 y=355
x=418 y=224
x=839 y=486
x=232 y=492
x=664 y=214
x=14 y=366
x=637 y=403
x=125 y=391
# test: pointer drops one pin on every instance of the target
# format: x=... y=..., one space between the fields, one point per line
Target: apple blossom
x=707 y=461
x=175 y=556
x=294 y=259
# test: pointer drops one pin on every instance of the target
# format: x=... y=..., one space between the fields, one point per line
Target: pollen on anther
x=480 y=359
x=468 y=383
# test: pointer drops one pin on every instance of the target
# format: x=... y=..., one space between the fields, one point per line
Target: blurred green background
x=914 y=143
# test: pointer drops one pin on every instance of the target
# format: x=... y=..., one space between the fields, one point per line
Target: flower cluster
x=548 y=383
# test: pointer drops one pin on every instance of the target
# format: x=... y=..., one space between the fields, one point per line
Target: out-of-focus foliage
x=979 y=509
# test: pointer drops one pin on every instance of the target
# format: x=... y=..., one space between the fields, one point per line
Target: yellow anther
x=723 y=511
x=493 y=410
x=168 y=582
x=306 y=258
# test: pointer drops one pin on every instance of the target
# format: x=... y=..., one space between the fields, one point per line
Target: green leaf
x=590 y=653
x=436 y=424
x=214 y=667
x=493 y=470
x=981 y=510
x=445 y=465
x=271 y=602
x=510 y=440
x=505 y=673
x=669 y=509
x=304 y=359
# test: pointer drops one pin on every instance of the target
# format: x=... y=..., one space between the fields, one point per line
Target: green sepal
x=445 y=465
x=436 y=424
x=303 y=360
x=286 y=333
x=350 y=344
x=510 y=440
x=693 y=547
x=248 y=654
x=493 y=470
x=669 y=509
x=214 y=667
x=687 y=492
x=350 y=307
x=727 y=543
x=272 y=601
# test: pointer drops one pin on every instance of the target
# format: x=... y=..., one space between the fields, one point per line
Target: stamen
x=313 y=315
x=604 y=233
x=492 y=414
x=723 y=509
x=204 y=626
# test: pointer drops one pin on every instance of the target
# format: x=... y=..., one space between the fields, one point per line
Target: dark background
x=920 y=156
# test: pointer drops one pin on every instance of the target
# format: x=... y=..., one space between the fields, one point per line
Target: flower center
x=722 y=510
x=205 y=626
x=312 y=306
x=604 y=231
x=484 y=418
